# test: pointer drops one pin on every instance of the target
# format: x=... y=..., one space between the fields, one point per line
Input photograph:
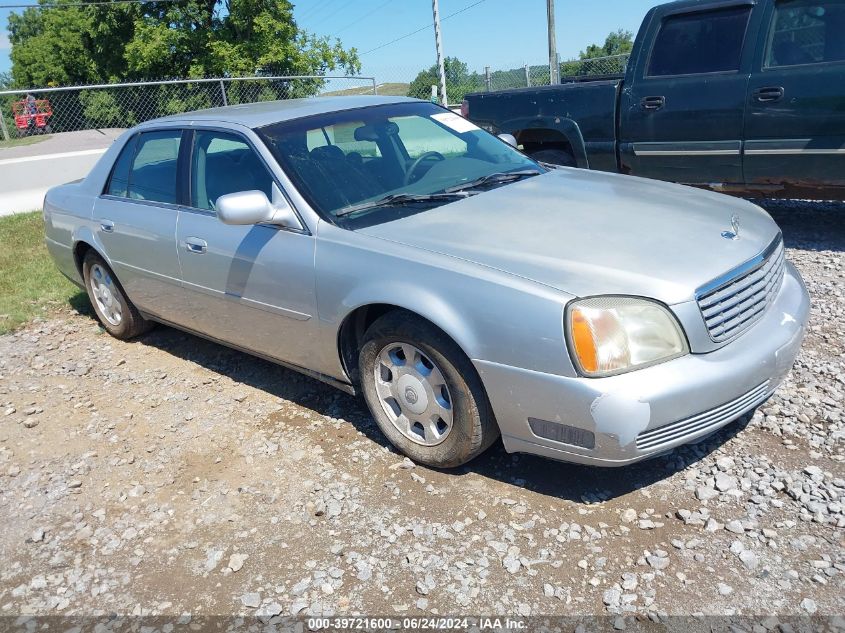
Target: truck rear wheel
x=555 y=157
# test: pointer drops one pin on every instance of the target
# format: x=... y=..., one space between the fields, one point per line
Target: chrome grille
x=735 y=304
x=699 y=424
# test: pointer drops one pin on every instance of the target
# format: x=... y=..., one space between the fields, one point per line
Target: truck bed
x=592 y=104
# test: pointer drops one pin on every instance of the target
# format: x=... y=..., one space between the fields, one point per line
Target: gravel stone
x=266 y=491
x=251 y=600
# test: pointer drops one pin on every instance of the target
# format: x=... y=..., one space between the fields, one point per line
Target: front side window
x=806 y=32
x=225 y=163
x=341 y=161
x=152 y=175
x=695 y=43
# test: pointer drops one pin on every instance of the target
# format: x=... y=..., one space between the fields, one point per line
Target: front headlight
x=612 y=335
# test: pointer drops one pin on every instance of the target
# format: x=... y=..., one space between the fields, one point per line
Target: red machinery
x=32 y=115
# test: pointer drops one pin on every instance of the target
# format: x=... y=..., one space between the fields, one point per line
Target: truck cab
x=740 y=96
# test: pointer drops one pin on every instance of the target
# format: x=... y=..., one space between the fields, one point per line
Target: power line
x=60 y=5
x=363 y=17
x=420 y=30
x=341 y=8
x=316 y=8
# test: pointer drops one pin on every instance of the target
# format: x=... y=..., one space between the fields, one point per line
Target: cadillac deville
x=391 y=248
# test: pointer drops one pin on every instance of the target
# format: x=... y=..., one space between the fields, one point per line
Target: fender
x=85 y=234
x=569 y=128
x=416 y=299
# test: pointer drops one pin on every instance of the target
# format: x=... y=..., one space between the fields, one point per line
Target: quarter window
x=119 y=181
x=695 y=43
x=225 y=163
x=806 y=32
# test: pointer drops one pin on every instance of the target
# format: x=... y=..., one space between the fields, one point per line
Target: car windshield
x=386 y=161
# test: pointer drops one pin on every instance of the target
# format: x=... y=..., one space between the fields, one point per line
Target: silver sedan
x=388 y=246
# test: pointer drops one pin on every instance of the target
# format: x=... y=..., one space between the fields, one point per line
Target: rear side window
x=695 y=43
x=806 y=32
x=152 y=175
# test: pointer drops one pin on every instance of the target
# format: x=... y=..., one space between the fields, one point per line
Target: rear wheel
x=114 y=310
x=555 y=157
x=424 y=393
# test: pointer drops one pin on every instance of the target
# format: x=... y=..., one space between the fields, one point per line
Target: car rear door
x=136 y=221
x=682 y=107
x=250 y=286
x=795 y=121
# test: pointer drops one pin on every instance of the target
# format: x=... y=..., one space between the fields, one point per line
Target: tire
x=48 y=129
x=555 y=157
x=114 y=310
x=471 y=428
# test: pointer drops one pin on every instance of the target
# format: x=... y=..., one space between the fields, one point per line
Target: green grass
x=30 y=284
x=24 y=140
x=384 y=90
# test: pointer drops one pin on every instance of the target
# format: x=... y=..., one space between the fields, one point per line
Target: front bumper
x=626 y=418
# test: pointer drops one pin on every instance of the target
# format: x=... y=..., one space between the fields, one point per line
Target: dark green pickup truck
x=742 y=96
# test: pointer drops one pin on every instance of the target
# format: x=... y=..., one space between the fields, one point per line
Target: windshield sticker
x=455 y=122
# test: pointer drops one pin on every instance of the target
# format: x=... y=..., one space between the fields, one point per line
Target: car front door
x=682 y=110
x=251 y=286
x=795 y=122
x=136 y=222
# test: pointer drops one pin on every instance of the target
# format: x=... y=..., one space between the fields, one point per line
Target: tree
x=459 y=81
x=164 y=40
x=619 y=42
x=194 y=38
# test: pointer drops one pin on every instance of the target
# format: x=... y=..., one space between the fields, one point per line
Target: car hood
x=589 y=233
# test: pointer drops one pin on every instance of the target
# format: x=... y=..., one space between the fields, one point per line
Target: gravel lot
x=173 y=476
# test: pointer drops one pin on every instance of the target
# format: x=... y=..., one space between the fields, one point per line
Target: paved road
x=28 y=171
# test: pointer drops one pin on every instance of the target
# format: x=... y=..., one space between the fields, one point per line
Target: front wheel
x=424 y=393
x=114 y=310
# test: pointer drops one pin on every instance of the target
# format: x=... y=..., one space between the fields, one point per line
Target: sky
x=501 y=34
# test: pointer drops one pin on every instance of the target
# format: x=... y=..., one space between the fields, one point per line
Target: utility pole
x=438 y=43
x=554 y=66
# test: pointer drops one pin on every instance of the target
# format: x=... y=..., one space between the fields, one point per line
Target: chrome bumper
x=626 y=418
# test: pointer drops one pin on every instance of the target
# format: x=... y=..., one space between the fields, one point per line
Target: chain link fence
x=576 y=70
x=71 y=108
x=461 y=81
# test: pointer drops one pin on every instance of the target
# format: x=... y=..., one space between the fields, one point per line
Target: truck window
x=806 y=32
x=704 y=42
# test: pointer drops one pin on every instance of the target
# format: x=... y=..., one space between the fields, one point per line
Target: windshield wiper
x=500 y=177
x=400 y=198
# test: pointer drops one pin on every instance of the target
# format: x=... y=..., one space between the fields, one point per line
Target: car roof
x=256 y=115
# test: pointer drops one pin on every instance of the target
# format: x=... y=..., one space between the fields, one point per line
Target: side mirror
x=253 y=207
x=510 y=139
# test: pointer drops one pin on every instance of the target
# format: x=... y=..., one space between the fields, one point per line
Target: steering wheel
x=420 y=159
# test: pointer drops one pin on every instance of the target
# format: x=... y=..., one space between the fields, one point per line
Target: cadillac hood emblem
x=733 y=234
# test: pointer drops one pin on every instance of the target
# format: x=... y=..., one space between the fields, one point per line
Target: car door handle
x=652 y=103
x=196 y=245
x=769 y=94
x=107 y=226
